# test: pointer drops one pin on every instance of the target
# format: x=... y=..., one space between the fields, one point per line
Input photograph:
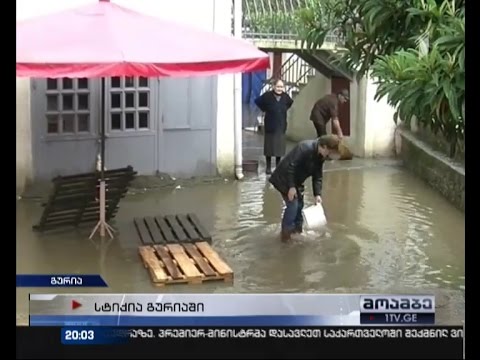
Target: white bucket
x=314 y=217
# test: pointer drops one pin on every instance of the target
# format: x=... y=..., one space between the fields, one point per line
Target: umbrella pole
x=102 y=223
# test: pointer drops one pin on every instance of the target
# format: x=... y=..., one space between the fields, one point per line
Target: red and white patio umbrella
x=105 y=40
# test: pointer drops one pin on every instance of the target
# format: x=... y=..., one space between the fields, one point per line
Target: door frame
x=344 y=110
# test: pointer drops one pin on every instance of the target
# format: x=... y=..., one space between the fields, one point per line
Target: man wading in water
x=304 y=160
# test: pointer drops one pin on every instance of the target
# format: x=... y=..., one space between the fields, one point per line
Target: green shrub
x=414 y=50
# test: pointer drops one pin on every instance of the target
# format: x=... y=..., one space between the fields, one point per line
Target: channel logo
x=397 y=309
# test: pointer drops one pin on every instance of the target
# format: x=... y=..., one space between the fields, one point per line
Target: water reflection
x=387 y=232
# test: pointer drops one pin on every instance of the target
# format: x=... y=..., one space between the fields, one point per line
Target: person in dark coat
x=326 y=109
x=304 y=160
x=274 y=104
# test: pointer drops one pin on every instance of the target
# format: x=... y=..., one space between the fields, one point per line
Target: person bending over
x=326 y=109
x=303 y=161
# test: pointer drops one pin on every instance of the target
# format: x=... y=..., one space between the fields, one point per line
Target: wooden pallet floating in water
x=171 y=229
x=185 y=263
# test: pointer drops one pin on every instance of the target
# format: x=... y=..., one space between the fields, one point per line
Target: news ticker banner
x=230 y=310
x=401 y=342
x=101 y=335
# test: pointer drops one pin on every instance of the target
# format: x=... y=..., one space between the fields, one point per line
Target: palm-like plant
x=382 y=38
x=429 y=86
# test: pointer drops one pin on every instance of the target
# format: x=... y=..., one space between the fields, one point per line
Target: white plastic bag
x=314 y=217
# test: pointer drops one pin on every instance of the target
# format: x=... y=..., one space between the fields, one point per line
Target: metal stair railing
x=294 y=72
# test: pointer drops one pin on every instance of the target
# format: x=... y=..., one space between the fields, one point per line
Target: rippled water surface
x=387 y=232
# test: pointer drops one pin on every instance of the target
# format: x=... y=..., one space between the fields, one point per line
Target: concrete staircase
x=325 y=62
x=301 y=66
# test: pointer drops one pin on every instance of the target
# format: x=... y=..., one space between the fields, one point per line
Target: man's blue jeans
x=292 y=216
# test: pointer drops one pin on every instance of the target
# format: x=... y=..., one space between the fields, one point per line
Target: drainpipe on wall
x=237 y=94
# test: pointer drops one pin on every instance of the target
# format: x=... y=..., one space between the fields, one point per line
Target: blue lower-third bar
x=60 y=280
x=119 y=320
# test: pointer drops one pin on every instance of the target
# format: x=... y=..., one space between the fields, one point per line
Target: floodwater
x=388 y=232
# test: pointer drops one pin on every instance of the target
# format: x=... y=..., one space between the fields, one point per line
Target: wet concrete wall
x=440 y=172
x=438 y=141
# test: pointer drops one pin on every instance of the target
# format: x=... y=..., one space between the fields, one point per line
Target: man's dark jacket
x=300 y=163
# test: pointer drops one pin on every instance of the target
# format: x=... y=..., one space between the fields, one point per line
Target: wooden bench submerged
x=74 y=198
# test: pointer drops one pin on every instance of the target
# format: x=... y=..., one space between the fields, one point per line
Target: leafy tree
x=414 y=50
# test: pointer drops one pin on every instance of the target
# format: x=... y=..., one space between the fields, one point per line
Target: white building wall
x=378 y=123
x=23 y=135
x=225 y=98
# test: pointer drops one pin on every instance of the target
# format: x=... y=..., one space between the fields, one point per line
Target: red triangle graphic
x=75 y=304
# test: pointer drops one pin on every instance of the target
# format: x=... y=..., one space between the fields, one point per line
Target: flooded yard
x=388 y=232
